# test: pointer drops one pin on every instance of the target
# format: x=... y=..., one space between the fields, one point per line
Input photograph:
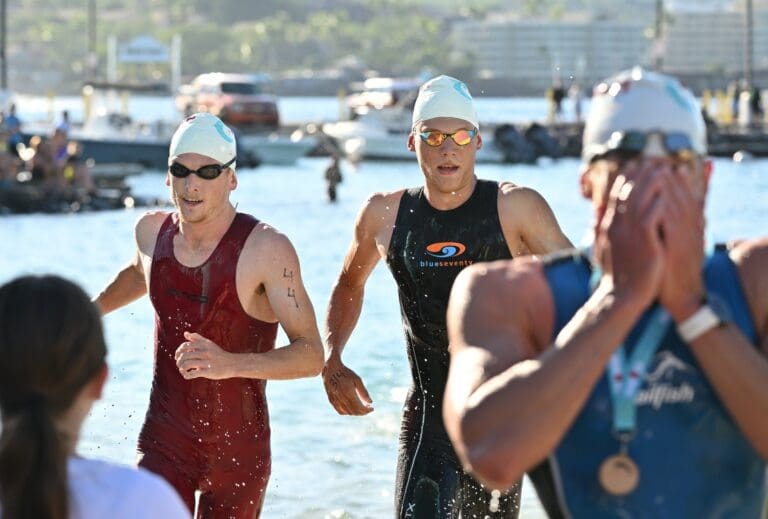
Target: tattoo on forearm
x=288 y=274
x=292 y=294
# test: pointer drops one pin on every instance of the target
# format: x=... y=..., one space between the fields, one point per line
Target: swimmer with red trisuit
x=220 y=282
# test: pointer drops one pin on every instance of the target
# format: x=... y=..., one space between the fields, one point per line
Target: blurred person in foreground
x=427 y=235
x=636 y=373
x=220 y=282
x=53 y=371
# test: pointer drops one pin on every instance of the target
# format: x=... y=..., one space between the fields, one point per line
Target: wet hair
x=52 y=345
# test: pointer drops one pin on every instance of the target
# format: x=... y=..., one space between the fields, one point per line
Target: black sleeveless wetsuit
x=427 y=251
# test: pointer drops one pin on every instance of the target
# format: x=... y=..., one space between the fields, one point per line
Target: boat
x=113 y=138
x=110 y=137
x=275 y=148
x=380 y=121
x=382 y=134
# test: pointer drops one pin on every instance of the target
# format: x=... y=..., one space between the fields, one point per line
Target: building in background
x=533 y=54
x=701 y=38
x=703 y=42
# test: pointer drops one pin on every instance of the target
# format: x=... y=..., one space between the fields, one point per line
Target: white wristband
x=703 y=320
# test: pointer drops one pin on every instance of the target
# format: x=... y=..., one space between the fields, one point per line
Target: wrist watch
x=712 y=313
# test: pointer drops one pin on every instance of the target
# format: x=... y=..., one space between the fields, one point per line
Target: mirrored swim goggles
x=435 y=138
x=630 y=144
x=208 y=172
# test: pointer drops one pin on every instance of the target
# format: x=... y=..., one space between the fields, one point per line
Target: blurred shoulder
x=751 y=258
x=755 y=249
x=497 y=281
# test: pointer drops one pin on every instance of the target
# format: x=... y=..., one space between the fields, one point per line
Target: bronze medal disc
x=618 y=475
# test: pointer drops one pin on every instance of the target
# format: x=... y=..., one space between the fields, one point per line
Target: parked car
x=240 y=100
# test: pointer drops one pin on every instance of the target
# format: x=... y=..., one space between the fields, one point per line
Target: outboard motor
x=544 y=143
x=513 y=145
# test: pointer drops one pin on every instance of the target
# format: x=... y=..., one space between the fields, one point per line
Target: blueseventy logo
x=446 y=249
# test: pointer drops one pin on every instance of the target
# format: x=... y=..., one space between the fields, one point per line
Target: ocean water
x=324 y=465
x=293 y=110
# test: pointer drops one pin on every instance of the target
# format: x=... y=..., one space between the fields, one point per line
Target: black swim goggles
x=208 y=172
x=632 y=143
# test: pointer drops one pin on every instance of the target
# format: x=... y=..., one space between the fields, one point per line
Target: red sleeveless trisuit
x=201 y=434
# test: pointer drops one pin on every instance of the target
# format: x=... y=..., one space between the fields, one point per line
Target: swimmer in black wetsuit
x=427 y=235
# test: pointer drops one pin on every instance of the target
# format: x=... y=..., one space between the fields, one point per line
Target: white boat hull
x=274 y=148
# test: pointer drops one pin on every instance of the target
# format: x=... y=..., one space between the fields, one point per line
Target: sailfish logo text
x=666 y=382
x=446 y=249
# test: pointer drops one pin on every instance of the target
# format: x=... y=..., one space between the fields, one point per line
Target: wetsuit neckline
x=215 y=250
x=422 y=195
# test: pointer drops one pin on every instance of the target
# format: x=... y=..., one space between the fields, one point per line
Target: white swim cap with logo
x=205 y=134
x=444 y=96
x=641 y=100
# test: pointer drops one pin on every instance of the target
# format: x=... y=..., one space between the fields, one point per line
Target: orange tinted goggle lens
x=436 y=138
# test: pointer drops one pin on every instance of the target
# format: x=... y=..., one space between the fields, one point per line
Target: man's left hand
x=682 y=288
x=200 y=357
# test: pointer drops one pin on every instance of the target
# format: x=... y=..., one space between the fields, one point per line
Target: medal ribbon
x=625 y=376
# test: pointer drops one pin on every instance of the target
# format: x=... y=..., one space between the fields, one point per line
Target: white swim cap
x=205 y=134
x=644 y=101
x=444 y=96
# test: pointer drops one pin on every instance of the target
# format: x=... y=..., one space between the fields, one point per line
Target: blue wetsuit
x=694 y=462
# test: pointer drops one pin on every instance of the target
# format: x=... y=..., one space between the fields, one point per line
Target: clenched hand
x=200 y=357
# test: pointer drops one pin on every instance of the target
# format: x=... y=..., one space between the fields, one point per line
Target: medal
x=618 y=475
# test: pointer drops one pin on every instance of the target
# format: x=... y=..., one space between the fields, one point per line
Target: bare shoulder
x=510 y=193
x=267 y=243
x=151 y=221
x=378 y=211
x=382 y=204
x=522 y=202
x=745 y=252
x=505 y=186
x=147 y=228
x=751 y=258
x=528 y=222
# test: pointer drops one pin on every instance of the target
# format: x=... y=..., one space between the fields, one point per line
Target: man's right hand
x=628 y=241
x=345 y=389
